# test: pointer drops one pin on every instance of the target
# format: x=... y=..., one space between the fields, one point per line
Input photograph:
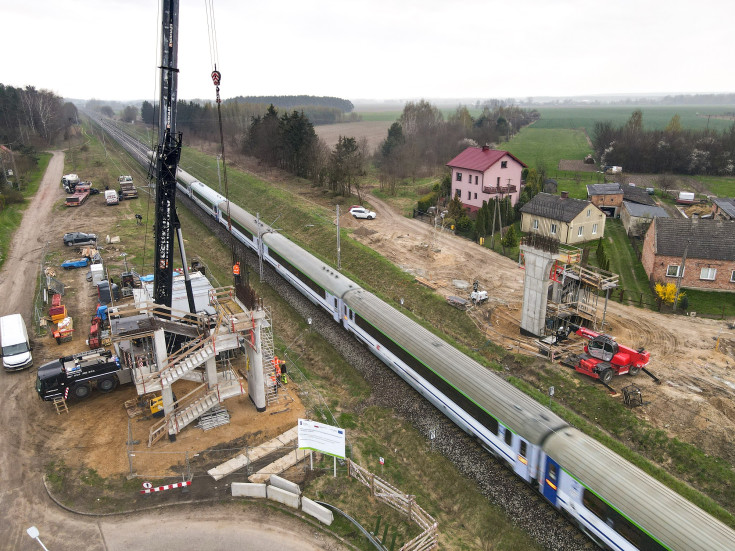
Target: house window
x=708 y=274
x=672 y=270
x=458 y=193
x=589 y=212
x=498 y=181
x=475 y=195
x=469 y=195
x=580 y=231
x=503 y=164
x=553 y=229
x=535 y=224
x=459 y=176
x=732 y=277
x=477 y=179
x=594 y=229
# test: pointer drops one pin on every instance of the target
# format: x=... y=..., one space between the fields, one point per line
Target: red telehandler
x=603 y=358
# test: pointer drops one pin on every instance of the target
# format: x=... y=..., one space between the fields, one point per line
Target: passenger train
x=615 y=503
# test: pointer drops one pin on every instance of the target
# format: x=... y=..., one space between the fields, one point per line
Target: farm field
x=545 y=147
x=374 y=130
x=654 y=116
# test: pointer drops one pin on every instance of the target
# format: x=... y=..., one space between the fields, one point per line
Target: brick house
x=568 y=220
x=606 y=197
x=482 y=174
x=710 y=262
x=723 y=208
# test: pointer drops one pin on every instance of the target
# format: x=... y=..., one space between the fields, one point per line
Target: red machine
x=94 y=333
x=604 y=357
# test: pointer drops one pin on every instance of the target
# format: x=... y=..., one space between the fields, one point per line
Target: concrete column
x=535 y=289
x=211 y=368
x=256 y=383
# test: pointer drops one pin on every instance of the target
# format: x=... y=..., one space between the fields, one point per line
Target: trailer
x=77 y=199
x=127 y=189
x=74 y=376
x=685 y=198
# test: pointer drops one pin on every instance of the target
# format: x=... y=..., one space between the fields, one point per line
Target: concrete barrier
x=282 y=496
x=247 y=489
x=284 y=484
x=320 y=513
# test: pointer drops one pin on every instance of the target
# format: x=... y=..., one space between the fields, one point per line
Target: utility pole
x=681 y=268
x=339 y=248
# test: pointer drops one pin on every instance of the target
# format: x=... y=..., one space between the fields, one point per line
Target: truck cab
x=73 y=376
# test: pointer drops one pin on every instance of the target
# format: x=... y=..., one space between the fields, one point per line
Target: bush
x=428 y=200
x=12 y=196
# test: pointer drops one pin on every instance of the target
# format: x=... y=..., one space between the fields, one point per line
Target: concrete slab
x=278 y=466
x=248 y=489
x=241 y=460
x=322 y=514
x=284 y=484
x=284 y=497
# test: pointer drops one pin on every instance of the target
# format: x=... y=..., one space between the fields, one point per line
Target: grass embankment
x=11 y=215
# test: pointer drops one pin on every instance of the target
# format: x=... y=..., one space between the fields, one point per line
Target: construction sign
x=321 y=438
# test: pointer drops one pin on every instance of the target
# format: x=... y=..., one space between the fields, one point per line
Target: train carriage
x=618 y=504
x=507 y=422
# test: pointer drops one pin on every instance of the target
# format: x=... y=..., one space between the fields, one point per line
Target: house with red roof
x=482 y=174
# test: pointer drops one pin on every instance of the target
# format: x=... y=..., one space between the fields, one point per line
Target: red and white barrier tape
x=166 y=487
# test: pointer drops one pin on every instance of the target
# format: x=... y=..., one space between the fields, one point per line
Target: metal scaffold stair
x=179 y=365
x=174 y=423
x=268 y=354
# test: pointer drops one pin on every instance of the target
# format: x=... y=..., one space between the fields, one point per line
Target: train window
x=202 y=198
x=295 y=271
x=524 y=448
x=335 y=304
x=483 y=417
x=552 y=473
x=508 y=437
x=619 y=523
x=239 y=227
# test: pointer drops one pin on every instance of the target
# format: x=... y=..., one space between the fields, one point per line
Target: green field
x=654 y=117
x=545 y=147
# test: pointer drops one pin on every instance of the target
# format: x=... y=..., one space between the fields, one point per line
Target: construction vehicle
x=477 y=296
x=75 y=375
x=70 y=182
x=127 y=189
x=603 y=357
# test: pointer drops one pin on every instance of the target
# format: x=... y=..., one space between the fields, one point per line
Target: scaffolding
x=575 y=294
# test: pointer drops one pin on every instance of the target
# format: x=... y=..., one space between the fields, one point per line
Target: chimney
x=486 y=148
x=565 y=195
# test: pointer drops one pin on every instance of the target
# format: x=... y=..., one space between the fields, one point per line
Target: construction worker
x=284 y=376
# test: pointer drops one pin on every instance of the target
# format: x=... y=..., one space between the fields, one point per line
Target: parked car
x=362 y=212
x=79 y=238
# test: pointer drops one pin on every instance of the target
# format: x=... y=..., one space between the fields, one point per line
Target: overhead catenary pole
x=339 y=248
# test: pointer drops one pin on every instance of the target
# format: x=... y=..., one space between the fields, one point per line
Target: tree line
x=289 y=142
x=672 y=150
x=422 y=141
x=296 y=102
x=31 y=117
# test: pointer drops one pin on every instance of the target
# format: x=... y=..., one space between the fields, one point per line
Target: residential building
x=636 y=217
x=607 y=197
x=723 y=208
x=635 y=194
x=483 y=174
x=568 y=220
x=710 y=252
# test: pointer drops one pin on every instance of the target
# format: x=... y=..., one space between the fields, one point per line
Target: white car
x=362 y=212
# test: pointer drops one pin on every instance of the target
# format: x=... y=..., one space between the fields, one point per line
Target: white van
x=111 y=197
x=14 y=345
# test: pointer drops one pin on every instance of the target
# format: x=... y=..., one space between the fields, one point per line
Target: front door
x=551 y=480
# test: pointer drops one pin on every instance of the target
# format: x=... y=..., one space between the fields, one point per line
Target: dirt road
x=696 y=401
x=27 y=436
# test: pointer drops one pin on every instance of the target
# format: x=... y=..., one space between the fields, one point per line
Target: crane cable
x=216 y=79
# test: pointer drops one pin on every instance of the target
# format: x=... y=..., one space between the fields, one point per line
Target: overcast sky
x=382 y=49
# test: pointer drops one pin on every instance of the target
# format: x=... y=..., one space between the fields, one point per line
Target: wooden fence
x=404 y=503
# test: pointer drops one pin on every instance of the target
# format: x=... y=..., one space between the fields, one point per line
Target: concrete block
x=284 y=484
x=317 y=511
x=282 y=496
x=247 y=489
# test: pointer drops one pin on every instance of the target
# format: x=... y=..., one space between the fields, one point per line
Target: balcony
x=498 y=190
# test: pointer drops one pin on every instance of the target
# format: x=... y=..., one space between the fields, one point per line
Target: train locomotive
x=615 y=503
